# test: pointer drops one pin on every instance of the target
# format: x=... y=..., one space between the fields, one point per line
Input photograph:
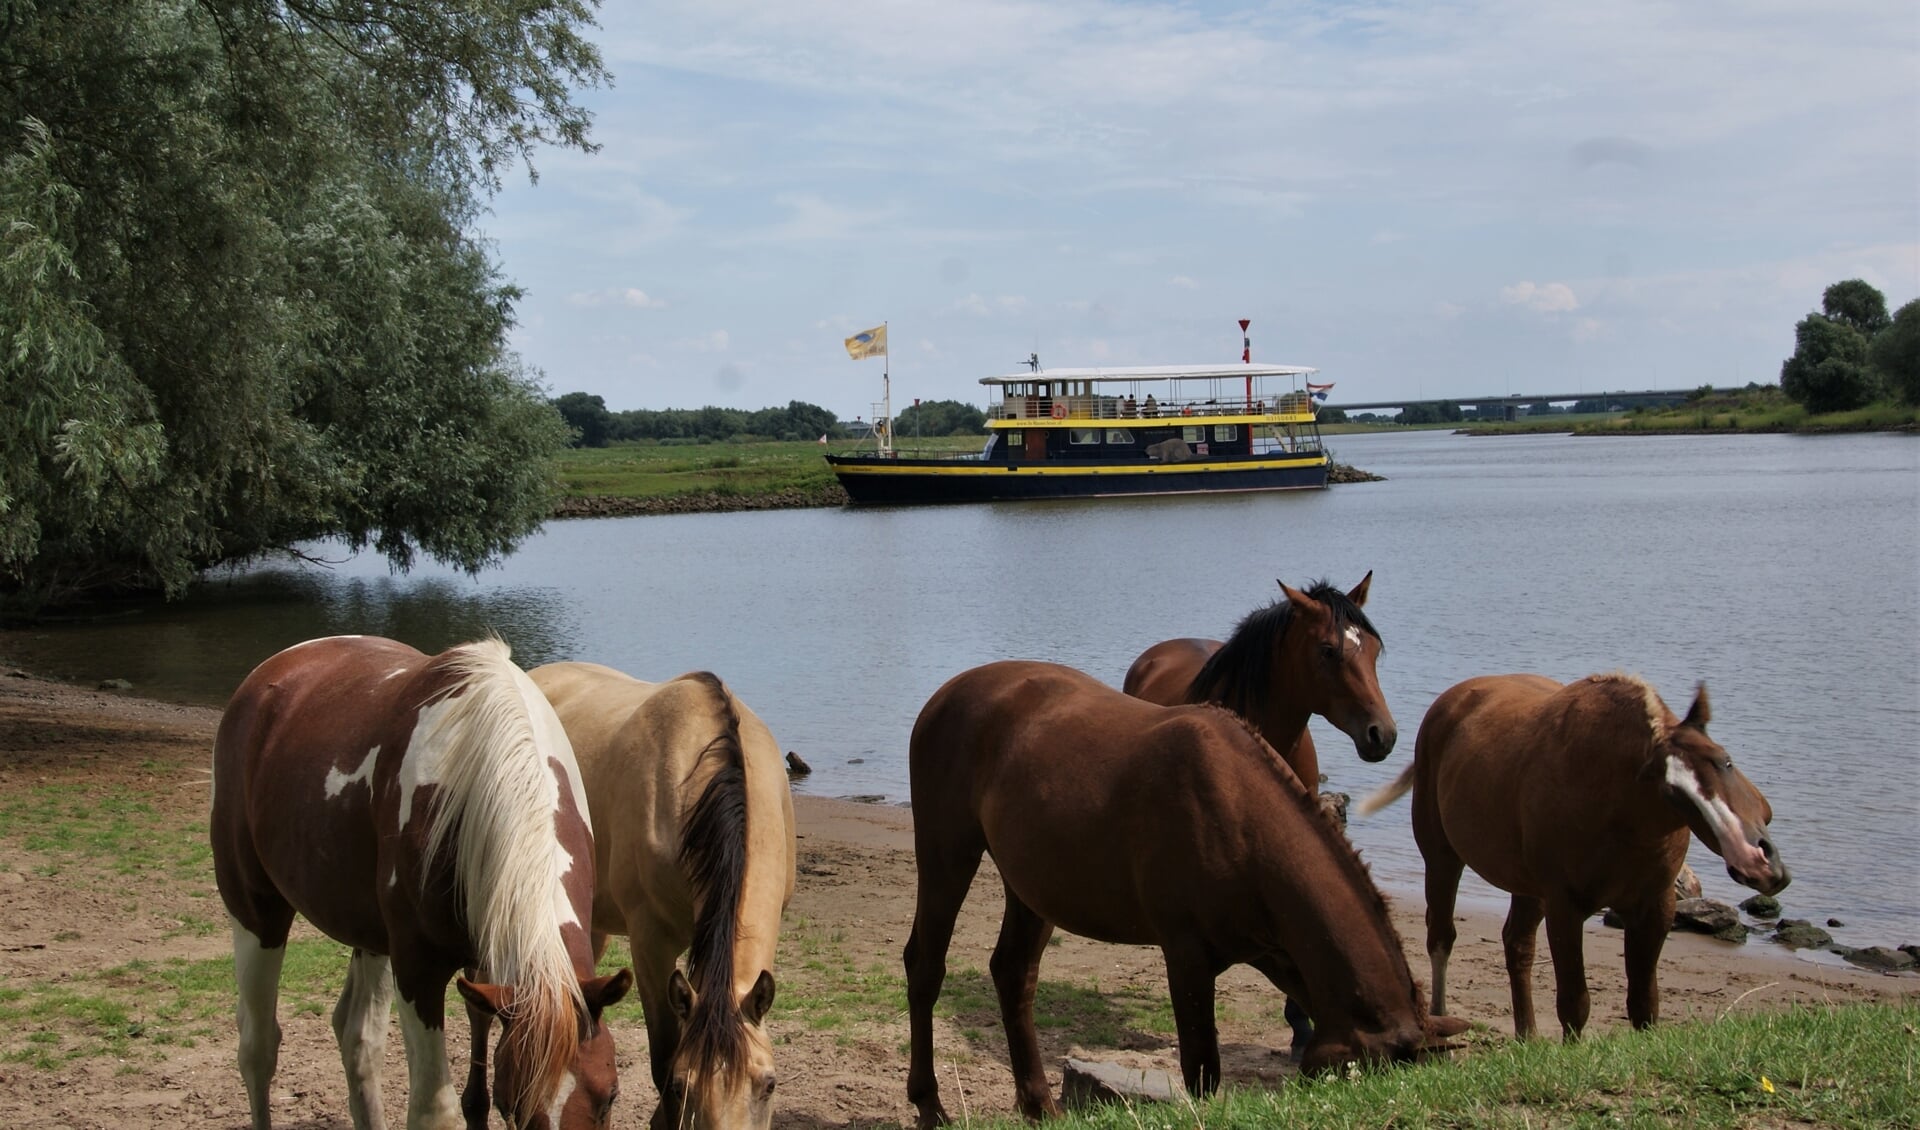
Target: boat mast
x=886 y=397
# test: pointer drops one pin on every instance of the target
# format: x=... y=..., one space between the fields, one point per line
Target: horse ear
x=759 y=998
x=1358 y=593
x=1447 y=1026
x=603 y=992
x=1700 y=713
x=680 y=995
x=493 y=1000
x=1294 y=596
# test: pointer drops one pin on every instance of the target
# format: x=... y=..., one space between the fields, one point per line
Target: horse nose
x=1380 y=741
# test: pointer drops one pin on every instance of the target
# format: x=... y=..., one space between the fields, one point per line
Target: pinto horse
x=1573 y=798
x=1128 y=822
x=425 y=810
x=694 y=848
x=1308 y=653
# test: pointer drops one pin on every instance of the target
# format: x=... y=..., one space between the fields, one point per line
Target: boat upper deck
x=1249 y=394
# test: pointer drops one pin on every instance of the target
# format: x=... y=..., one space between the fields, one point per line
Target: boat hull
x=871 y=480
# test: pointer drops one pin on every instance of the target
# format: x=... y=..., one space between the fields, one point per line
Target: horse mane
x=494 y=809
x=1241 y=673
x=713 y=853
x=1643 y=696
x=1344 y=853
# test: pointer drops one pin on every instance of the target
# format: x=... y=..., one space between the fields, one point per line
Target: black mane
x=1241 y=672
x=713 y=851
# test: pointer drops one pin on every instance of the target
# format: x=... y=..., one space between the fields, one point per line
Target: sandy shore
x=68 y=917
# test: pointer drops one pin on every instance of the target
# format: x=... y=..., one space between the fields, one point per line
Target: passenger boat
x=1079 y=433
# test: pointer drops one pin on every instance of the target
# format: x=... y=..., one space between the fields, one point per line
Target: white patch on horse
x=1353 y=635
x=560 y=1097
x=430 y=1097
x=562 y=905
x=337 y=781
x=395 y=673
x=425 y=759
x=1726 y=826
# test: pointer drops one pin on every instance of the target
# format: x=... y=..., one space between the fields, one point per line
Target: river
x=1782 y=570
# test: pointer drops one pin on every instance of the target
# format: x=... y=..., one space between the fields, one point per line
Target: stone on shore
x=1706 y=916
x=1883 y=958
x=1762 y=906
x=1085 y=1082
x=1800 y=934
x=1686 y=885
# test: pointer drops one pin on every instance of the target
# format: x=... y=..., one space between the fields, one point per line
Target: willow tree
x=243 y=302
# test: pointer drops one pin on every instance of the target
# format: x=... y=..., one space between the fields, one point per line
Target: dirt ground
x=70 y=917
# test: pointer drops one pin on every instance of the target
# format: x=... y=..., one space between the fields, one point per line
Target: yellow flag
x=870 y=343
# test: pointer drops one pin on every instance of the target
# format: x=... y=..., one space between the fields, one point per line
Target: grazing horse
x=1310 y=653
x=1127 y=822
x=1573 y=798
x=694 y=847
x=425 y=810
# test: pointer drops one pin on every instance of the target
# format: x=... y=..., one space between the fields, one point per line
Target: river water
x=1783 y=570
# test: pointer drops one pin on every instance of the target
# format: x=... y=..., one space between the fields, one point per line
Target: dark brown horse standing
x=425 y=810
x=1308 y=653
x=1127 y=822
x=1574 y=798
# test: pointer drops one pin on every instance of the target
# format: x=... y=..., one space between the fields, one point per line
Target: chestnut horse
x=1573 y=798
x=425 y=810
x=1309 y=653
x=694 y=847
x=1127 y=822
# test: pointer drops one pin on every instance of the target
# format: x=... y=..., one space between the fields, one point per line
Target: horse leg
x=1568 y=945
x=1287 y=979
x=1443 y=869
x=652 y=945
x=1190 y=979
x=1015 y=967
x=1646 y=934
x=944 y=878
x=1520 y=936
x=256 y=972
x=431 y=1102
x=360 y=1028
x=473 y=1098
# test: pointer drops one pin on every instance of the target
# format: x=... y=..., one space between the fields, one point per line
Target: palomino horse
x=1308 y=653
x=425 y=810
x=1128 y=822
x=694 y=847
x=1312 y=652
x=1574 y=798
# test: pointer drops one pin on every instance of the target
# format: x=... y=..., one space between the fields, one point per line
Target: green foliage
x=797 y=421
x=1856 y=303
x=587 y=415
x=240 y=304
x=1828 y=371
x=939 y=418
x=1896 y=353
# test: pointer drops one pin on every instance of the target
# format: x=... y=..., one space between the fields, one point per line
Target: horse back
x=1164 y=671
x=298 y=769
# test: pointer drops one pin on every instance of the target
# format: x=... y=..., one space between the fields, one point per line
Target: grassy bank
x=1757 y=411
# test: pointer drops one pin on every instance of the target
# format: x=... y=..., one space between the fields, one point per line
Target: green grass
x=1851 y=1066
x=115 y=826
x=666 y=471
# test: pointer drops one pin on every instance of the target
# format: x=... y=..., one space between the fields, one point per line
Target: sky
x=1487 y=197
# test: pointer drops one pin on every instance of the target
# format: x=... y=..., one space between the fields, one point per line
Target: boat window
x=1224 y=432
x=1193 y=434
x=1016 y=439
x=1083 y=435
x=1119 y=435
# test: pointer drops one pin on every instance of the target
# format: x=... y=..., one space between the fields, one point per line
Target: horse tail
x=713 y=853
x=1388 y=794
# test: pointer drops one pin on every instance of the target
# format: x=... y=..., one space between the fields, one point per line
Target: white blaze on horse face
x=1726 y=826
x=1353 y=637
x=337 y=781
x=560 y=1097
x=424 y=760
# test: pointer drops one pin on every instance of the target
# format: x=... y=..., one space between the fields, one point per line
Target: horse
x=426 y=811
x=1308 y=653
x=1573 y=798
x=1127 y=822
x=694 y=847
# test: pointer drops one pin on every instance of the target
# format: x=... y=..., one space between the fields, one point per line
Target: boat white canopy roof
x=1123 y=375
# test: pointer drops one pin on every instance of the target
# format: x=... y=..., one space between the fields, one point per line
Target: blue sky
x=1429 y=199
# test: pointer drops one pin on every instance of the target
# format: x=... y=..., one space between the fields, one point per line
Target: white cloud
x=718 y=341
x=631 y=296
x=1548 y=298
x=1183 y=282
x=981 y=306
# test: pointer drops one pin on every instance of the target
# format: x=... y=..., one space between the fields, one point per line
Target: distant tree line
x=1852 y=353
x=940 y=418
x=594 y=425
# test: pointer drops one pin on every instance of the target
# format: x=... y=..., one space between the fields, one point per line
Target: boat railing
x=1293 y=405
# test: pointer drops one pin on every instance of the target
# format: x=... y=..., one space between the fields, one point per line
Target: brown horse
x=427 y=812
x=1309 y=653
x=1128 y=822
x=1573 y=798
x=693 y=847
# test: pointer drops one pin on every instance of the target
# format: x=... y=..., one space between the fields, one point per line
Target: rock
x=115 y=685
x=1762 y=906
x=1706 y=916
x=1800 y=934
x=1912 y=951
x=1686 y=885
x=1335 y=806
x=1882 y=958
x=1835 y=923
x=856 y=761
x=1612 y=918
x=797 y=767
x=1086 y=1082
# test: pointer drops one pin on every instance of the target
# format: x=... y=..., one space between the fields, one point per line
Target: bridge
x=1482 y=404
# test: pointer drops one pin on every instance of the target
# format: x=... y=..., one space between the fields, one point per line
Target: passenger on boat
x=1130 y=409
x=1152 y=407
